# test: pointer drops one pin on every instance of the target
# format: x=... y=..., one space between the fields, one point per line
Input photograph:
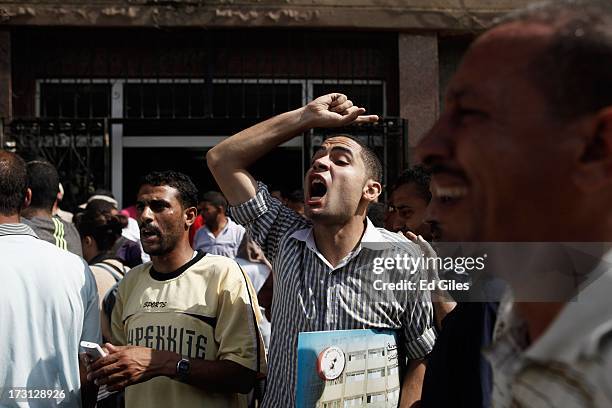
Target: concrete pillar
x=419 y=85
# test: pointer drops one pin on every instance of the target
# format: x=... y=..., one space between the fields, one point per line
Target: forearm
x=413 y=384
x=218 y=376
x=246 y=146
x=229 y=159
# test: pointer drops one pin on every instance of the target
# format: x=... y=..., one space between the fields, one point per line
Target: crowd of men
x=521 y=154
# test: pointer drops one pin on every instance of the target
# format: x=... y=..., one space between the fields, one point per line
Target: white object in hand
x=93 y=350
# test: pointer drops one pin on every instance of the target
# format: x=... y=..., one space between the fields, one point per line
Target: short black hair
x=374 y=169
x=13 y=183
x=215 y=198
x=188 y=192
x=417 y=175
x=573 y=71
x=102 y=226
x=43 y=180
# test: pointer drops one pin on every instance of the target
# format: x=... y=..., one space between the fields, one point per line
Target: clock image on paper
x=330 y=363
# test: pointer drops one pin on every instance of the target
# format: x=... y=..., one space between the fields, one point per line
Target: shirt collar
x=371 y=235
x=578 y=328
x=16 y=229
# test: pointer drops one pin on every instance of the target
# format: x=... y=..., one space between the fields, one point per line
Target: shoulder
x=218 y=264
x=61 y=262
x=26 y=221
x=200 y=233
x=398 y=242
x=48 y=252
x=66 y=224
x=220 y=268
x=237 y=228
x=38 y=223
x=392 y=236
x=133 y=276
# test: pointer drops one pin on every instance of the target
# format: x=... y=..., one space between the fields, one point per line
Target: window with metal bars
x=197 y=99
x=74 y=100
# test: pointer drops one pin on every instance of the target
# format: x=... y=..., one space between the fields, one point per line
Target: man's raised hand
x=334 y=110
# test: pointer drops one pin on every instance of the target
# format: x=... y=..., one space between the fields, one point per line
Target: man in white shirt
x=219 y=235
x=48 y=304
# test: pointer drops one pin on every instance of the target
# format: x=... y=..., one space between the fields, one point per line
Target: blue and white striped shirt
x=311 y=295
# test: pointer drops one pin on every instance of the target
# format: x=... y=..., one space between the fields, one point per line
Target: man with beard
x=523 y=154
x=184 y=326
x=407 y=204
x=219 y=235
x=322 y=263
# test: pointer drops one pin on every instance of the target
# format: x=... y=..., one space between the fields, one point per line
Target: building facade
x=108 y=90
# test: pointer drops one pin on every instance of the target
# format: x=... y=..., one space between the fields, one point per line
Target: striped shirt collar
x=576 y=331
x=315 y=299
x=16 y=229
x=306 y=235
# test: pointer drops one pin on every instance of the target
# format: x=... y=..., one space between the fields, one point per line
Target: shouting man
x=322 y=264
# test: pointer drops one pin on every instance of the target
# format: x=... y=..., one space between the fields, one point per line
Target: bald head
x=13 y=183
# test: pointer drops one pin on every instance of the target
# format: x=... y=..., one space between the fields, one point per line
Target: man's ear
x=27 y=200
x=372 y=190
x=595 y=165
x=190 y=215
x=87 y=240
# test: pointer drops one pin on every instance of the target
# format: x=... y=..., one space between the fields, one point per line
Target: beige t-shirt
x=206 y=309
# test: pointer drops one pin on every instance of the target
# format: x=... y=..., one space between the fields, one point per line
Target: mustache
x=150 y=230
x=441 y=168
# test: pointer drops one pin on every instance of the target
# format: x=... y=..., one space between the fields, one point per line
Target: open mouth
x=317 y=190
x=448 y=194
x=148 y=233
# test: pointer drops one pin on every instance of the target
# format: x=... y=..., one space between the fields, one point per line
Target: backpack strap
x=112 y=269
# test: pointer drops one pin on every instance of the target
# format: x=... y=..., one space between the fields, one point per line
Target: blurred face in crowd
x=336 y=182
x=163 y=220
x=211 y=213
x=406 y=210
x=500 y=162
x=444 y=227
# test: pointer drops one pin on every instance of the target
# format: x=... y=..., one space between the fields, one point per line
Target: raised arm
x=229 y=159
